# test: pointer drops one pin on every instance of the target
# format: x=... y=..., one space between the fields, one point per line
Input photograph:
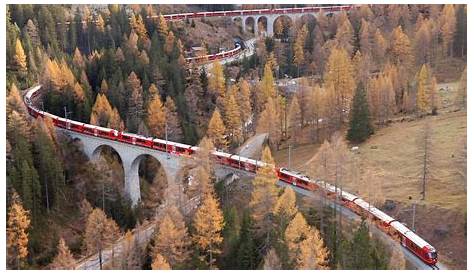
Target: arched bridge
x=254 y=16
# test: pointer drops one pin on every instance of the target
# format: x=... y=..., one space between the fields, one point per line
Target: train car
x=296 y=179
x=172 y=147
x=76 y=126
x=135 y=139
x=416 y=244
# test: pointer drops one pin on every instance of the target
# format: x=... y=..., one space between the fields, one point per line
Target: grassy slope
x=395 y=151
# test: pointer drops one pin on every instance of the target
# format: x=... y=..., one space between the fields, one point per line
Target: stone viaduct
x=132 y=155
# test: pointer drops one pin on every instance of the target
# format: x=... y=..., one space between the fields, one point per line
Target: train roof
x=348 y=196
x=295 y=174
x=31 y=91
x=373 y=210
x=410 y=234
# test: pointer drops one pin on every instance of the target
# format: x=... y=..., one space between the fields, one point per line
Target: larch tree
x=172 y=239
x=285 y=209
x=18 y=223
x=19 y=59
x=305 y=245
x=175 y=132
x=169 y=43
x=104 y=115
x=400 y=48
x=208 y=223
x=295 y=120
x=135 y=102
x=232 y=119
x=267 y=85
x=156 y=117
x=216 y=131
x=100 y=233
x=339 y=74
x=271 y=261
x=104 y=87
x=268 y=122
x=312 y=252
x=295 y=232
x=78 y=60
x=278 y=28
x=422 y=42
x=365 y=39
x=345 y=36
x=360 y=127
x=216 y=80
x=64 y=259
x=160 y=263
x=448 y=27
x=14 y=101
x=298 y=47
x=264 y=196
x=162 y=27
x=153 y=91
x=422 y=92
x=380 y=47
x=243 y=100
x=130 y=257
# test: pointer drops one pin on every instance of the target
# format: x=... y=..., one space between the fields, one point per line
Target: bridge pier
x=131 y=157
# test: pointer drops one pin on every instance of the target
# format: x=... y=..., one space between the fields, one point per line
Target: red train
x=389 y=225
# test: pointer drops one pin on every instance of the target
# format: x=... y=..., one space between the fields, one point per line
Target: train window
x=432 y=255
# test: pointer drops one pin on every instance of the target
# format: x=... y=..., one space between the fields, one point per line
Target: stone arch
x=239 y=22
x=249 y=24
x=308 y=18
x=132 y=178
x=98 y=150
x=286 y=21
x=262 y=25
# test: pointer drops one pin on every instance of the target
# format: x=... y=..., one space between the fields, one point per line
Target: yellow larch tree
x=271 y=261
x=160 y=263
x=294 y=120
x=208 y=224
x=14 y=101
x=268 y=122
x=380 y=47
x=285 y=208
x=18 y=223
x=156 y=117
x=216 y=131
x=422 y=99
x=243 y=99
x=169 y=43
x=312 y=253
x=100 y=233
x=264 y=195
x=339 y=74
x=400 y=48
x=448 y=27
x=217 y=80
x=232 y=119
x=172 y=239
x=162 y=27
x=20 y=58
x=64 y=259
x=345 y=35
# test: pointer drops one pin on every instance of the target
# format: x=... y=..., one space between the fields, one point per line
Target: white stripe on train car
x=409 y=234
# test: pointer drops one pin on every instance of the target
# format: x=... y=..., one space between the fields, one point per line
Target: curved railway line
x=419 y=249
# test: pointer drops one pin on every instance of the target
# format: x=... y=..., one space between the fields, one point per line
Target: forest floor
x=395 y=151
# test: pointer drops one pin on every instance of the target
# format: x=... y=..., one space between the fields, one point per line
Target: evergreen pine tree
x=359 y=126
